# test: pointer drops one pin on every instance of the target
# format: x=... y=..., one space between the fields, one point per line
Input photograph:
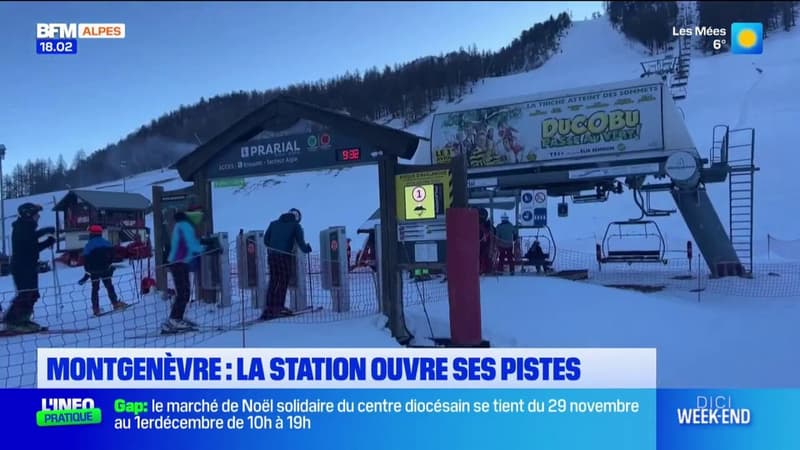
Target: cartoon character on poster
x=490 y=142
x=510 y=143
x=478 y=134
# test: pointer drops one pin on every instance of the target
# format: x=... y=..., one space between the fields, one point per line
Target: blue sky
x=177 y=52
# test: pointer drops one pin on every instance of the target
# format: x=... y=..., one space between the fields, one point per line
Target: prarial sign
x=292 y=153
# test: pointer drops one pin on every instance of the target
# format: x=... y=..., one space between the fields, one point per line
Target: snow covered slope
x=723 y=89
x=142 y=183
x=699 y=343
x=326 y=198
x=331 y=198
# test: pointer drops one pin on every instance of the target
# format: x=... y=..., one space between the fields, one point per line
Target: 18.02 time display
x=56 y=46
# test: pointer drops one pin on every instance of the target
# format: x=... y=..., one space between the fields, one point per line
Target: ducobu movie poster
x=612 y=121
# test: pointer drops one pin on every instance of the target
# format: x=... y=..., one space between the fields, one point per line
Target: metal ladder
x=738 y=152
x=718 y=154
x=680 y=76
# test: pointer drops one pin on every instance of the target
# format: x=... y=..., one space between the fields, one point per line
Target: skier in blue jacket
x=280 y=238
x=98 y=256
x=185 y=248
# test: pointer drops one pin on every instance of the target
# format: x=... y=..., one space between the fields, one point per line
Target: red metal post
x=463 y=276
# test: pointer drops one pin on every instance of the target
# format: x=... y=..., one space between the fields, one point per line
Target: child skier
x=98 y=256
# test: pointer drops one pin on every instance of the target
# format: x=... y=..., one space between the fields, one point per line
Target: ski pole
x=140 y=277
x=56 y=282
x=54 y=269
x=135 y=277
x=310 y=283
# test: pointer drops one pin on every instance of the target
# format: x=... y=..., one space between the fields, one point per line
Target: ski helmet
x=195 y=214
x=95 y=230
x=297 y=215
x=29 y=210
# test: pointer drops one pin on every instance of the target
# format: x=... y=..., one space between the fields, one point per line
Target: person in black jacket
x=280 y=239
x=98 y=257
x=537 y=258
x=486 y=234
x=25 y=249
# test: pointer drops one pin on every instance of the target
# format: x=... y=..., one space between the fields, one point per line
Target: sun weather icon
x=747 y=38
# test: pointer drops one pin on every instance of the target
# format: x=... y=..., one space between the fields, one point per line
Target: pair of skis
x=48 y=330
x=221 y=328
x=117 y=310
x=283 y=315
x=44 y=331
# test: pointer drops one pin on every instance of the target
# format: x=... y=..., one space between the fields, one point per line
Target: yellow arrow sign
x=416 y=194
x=420 y=202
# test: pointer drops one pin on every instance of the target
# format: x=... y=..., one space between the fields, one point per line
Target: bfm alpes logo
x=62 y=38
x=57 y=412
x=80 y=31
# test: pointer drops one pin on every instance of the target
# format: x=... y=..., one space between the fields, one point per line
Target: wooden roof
x=117 y=201
x=282 y=112
x=373 y=220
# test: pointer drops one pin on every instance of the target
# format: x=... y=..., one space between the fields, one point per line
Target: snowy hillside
x=698 y=342
x=723 y=89
x=142 y=184
x=326 y=199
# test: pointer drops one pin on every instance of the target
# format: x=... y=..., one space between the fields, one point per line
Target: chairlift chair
x=544 y=235
x=607 y=253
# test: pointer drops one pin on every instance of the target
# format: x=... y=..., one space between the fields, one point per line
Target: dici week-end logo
x=58 y=412
x=747 y=38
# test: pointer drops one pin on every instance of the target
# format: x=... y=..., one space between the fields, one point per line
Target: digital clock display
x=56 y=46
x=348 y=154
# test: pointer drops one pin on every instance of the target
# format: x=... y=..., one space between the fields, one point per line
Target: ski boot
x=24 y=327
x=117 y=304
x=175 y=326
x=269 y=315
x=190 y=323
x=22 y=324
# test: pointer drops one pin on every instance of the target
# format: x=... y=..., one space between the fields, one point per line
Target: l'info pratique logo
x=58 y=412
